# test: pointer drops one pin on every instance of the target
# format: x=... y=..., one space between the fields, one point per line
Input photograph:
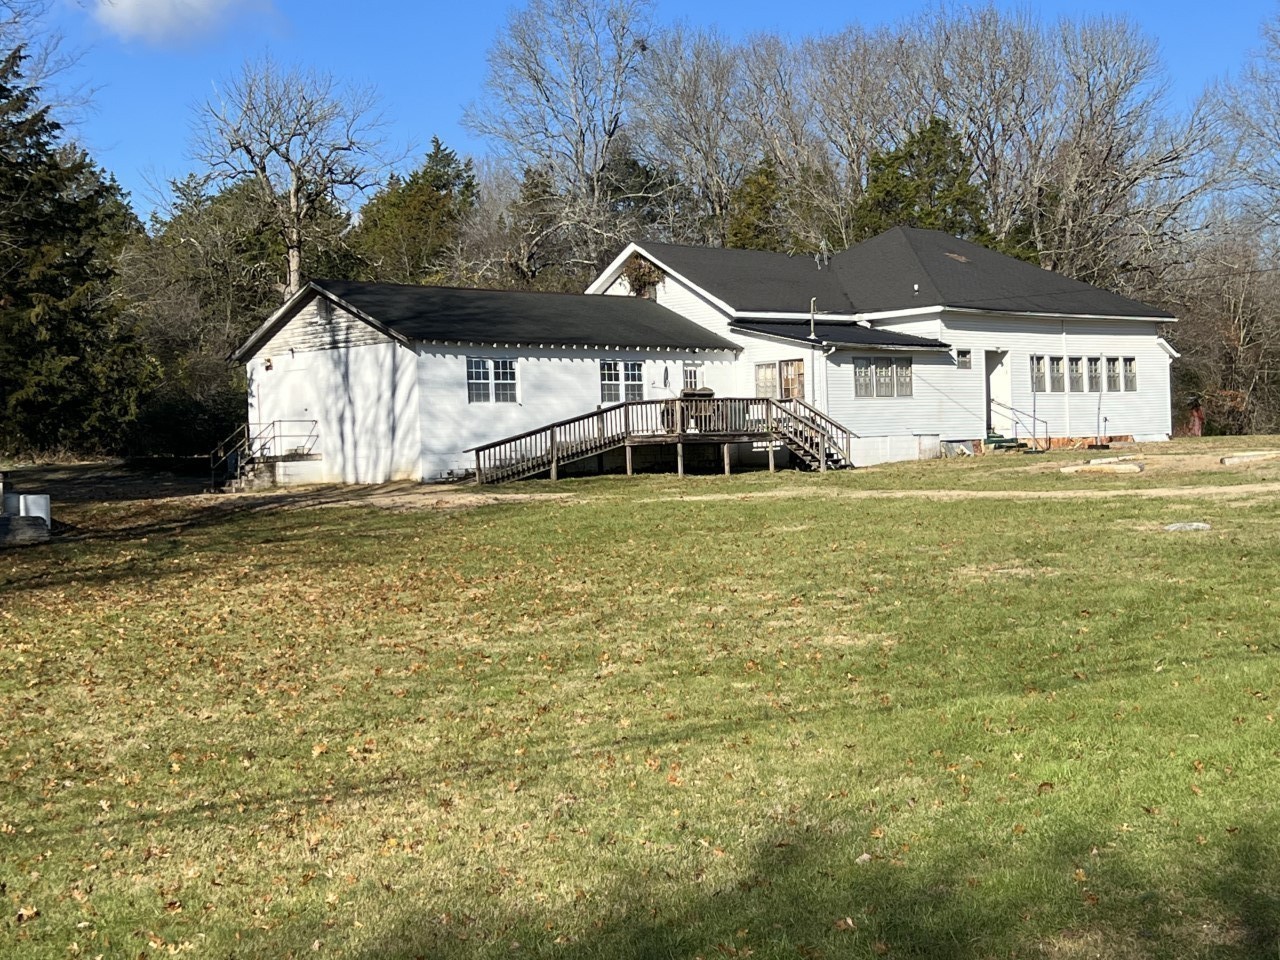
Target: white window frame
x=1114 y=382
x=1094 y=374
x=1057 y=375
x=864 y=377
x=964 y=359
x=1039 y=374
x=767 y=386
x=492 y=380
x=1075 y=374
x=1129 y=374
x=691 y=375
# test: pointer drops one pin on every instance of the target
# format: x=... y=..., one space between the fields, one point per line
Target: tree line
x=1054 y=141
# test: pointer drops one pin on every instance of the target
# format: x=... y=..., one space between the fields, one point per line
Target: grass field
x=768 y=716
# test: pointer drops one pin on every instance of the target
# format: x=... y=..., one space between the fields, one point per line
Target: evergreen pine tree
x=408 y=225
x=70 y=371
x=927 y=182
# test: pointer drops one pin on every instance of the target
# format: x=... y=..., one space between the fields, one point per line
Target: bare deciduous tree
x=307 y=143
x=691 y=92
x=561 y=82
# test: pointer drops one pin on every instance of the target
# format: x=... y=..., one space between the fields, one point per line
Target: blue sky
x=153 y=61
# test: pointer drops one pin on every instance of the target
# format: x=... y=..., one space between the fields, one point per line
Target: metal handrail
x=1035 y=437
x=246 y=444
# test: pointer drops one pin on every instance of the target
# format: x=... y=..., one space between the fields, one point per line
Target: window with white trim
x=864 y=382
x=1113 y=374
x=1075 y=374
x=1095 y=374
x=692 y=374
x=1057 y=383
x=882 y=377
x=491 y=381
x=621 y=380
x=767 y=380
x=1037 y=374
x=964 y=359
x=1130 y=374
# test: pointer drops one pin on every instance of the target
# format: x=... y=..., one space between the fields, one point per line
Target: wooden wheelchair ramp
x=820 y=442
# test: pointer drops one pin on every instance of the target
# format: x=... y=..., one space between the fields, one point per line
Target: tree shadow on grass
x=808 y=896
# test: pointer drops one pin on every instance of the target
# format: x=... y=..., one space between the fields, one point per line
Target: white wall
x=550 y=386
x=952 y=402
x=363 y=398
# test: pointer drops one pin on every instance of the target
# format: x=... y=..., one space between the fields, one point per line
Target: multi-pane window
x=692 y=375
x=477 y=380
x=1130 y=374
x=504 y=381
x=767 y=380
x=791 y=374
x=1113 y=374
x=1056 y=382
x=1037 y=374
x=964 y=359
x=621 y=380
x=902 y=376
x=1075 y=374
x=491 y=381
x=1095 y=374
x=884 y=378
x=864 y=384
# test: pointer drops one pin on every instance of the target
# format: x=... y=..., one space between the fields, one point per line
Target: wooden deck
x=819 y=441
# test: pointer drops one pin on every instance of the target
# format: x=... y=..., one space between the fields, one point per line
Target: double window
x=784 y=379
x=621 y=380
x=1084 y=373
x=491 y=381
x=882 y=377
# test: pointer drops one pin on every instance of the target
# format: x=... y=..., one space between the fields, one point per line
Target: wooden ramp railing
x=815 y=438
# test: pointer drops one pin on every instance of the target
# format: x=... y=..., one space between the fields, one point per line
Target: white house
x=917 y=333
x=906 y=342
x=380 y=381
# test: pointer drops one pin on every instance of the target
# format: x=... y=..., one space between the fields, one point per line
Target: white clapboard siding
x=321 y=325
x=738 y=380
x=363 y=400
x=551 y=385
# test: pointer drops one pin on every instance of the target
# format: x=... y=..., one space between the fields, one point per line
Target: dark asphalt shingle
x=506 y=316
x=882 y=274
x=843 y=334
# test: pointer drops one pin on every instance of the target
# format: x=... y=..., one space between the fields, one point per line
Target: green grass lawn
x=657 y=718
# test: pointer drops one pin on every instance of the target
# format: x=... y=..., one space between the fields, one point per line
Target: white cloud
x=166 y=21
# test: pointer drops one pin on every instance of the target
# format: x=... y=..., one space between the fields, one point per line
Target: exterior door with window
x=791 y=377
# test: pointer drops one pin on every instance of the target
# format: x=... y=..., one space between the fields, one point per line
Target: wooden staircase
x=817 y=440
x=235 y=463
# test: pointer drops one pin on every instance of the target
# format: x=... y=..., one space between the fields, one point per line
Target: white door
x=999 y=393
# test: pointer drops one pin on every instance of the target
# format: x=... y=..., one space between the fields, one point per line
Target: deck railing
x=815 y=436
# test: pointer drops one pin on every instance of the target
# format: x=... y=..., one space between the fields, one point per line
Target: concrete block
x=16 y=531
x=1252 y=456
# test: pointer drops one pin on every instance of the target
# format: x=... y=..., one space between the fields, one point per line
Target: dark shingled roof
x=756 y=280
x=881 y=274
x=842 y=334
x=506 y=316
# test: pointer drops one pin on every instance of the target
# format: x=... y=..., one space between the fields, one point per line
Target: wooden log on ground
x=1103 y=468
